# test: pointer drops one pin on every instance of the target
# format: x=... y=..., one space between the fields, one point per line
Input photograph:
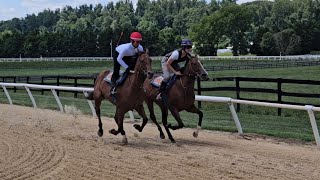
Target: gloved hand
x=127 y=71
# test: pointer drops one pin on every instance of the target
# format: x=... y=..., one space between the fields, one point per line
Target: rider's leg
x=115 y=75
x=161 y=89
x=116 y=68
x=166 y=77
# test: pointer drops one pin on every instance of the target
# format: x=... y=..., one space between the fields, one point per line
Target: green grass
x=262 y=120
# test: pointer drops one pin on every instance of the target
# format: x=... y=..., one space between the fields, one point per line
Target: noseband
x=193 y=72
x=143 y=70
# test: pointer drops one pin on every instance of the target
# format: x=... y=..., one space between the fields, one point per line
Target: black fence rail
x=278 y=91
x=237 y=88
x=262 y=65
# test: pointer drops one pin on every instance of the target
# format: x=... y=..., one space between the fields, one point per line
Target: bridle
x=193 y=72
x=143 y=70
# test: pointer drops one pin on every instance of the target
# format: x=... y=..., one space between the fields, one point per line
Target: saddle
x=120 y=80
x=156 y=82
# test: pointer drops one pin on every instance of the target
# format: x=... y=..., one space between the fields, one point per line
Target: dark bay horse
x=179 y=97
x=128 y=95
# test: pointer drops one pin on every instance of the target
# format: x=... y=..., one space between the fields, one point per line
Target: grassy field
x=262 y=120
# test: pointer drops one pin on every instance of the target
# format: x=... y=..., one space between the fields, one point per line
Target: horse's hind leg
x=142 y=113
x=98 y=112
x=194 y=109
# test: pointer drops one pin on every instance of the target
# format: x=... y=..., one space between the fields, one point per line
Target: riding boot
x=161 y=90
x=113 y=83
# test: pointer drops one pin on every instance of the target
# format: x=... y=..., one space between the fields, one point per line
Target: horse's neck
x=186 y=82
x=135 y=79
x=187 y=79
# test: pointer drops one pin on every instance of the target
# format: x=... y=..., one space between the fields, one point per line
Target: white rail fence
x=160 y=57
x=229 y=101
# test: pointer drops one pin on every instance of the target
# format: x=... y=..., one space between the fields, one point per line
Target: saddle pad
x=157 y=81
x=108 y=77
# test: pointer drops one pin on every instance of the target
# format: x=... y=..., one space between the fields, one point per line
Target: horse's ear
x=147 y=51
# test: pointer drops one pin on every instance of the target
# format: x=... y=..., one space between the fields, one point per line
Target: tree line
x=285 y=27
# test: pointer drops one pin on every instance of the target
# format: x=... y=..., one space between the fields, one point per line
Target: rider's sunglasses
x=188 y=47
x=138 y=42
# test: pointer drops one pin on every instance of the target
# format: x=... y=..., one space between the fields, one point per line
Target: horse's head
x=144 y=64
x=194 y=68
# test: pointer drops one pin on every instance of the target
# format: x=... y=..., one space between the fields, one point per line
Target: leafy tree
x=207 y=34
x=11 y=43
x=268 y=45
x=167 y=41
x=287 y=42
x=237 y=21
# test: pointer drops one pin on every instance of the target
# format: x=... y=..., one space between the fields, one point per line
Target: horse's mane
x=187 y=62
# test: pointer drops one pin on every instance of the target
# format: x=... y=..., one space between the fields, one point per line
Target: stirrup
x=159 y=96
x=113 y=92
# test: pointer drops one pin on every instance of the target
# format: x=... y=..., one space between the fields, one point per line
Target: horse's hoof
x=113 y=131
x=195 y=134
x=173 y=141
x=124 y=141
x=169 y=126
x=100 y=133
x=162 y=136
x=138 y=127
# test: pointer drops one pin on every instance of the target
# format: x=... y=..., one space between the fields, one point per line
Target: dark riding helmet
x=186 y=42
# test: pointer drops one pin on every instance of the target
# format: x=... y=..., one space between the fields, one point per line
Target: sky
x=20 y=8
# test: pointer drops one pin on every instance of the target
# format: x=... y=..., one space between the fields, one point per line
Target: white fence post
x=90 y=104
x=131 y=115
x=57 y=99
x=31 y=97
x=313 y=124
x=235 y=117
x=7 y=94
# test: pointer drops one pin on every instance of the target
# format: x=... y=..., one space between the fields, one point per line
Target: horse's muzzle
x=150 y=74
x=204 y=77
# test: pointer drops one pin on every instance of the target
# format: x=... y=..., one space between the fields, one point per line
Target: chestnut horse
x=128 y=95
x=179 y=97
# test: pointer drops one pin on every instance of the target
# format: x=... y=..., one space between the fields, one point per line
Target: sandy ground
x=45 y=144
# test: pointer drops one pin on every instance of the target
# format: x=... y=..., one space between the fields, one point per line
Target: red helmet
x=136 y=36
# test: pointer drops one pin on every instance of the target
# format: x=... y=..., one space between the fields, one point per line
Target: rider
x=126 y=56
x=170 y=64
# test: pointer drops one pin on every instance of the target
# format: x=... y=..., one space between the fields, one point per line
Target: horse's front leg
x=194 y=109
x=176 y=115
x=119 y=119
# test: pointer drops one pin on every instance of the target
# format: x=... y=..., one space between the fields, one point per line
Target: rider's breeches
x=116 y=68
x=166 y=72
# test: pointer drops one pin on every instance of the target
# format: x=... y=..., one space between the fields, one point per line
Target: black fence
x=234 y=65
x=279 y=92
x=77 y=81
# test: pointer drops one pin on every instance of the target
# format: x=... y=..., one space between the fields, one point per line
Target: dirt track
x=44 y=144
